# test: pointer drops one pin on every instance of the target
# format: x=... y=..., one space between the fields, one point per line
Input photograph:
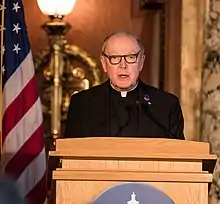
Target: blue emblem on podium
x=133 y=193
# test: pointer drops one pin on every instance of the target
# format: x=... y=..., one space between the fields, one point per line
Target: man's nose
x=123 y=63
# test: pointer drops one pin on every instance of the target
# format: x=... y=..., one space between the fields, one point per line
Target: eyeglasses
x=116 y=59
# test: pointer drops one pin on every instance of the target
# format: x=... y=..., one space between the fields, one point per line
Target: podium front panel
x=85 y=192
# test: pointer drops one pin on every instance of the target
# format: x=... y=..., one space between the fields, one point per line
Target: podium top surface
x=132 y=147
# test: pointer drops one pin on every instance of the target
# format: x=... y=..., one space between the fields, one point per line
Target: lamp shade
x=56 y=7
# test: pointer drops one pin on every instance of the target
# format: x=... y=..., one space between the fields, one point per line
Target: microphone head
x=138 y=103
x=127 y=104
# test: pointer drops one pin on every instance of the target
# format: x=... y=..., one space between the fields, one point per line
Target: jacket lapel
x=100 y=111
x=144 y=94
x=146 y=126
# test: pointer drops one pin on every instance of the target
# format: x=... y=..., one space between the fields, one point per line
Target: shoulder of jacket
x=89 y=92
x=160 y=94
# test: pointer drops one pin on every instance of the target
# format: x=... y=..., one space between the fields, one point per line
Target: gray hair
x=104 y=45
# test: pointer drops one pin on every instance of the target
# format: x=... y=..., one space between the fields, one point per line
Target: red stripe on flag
x=19 y=107
x=26 y=154
x=38 y=194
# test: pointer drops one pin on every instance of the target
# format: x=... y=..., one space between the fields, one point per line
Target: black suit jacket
x=89 y=114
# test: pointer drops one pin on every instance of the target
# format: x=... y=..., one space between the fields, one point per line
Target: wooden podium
x=92 y=165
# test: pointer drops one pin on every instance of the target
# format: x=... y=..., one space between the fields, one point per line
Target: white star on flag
x=2 y=8
x=16 y=7
x=16 y=28
x=16 y=48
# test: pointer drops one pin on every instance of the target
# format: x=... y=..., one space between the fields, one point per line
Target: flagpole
x=1 y=66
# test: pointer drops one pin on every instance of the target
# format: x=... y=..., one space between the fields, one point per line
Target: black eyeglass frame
x=124 y=56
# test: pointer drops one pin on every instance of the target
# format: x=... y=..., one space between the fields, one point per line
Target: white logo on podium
x=133 y=199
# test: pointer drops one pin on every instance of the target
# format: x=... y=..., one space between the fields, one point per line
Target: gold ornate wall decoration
x=62 y=70
x=80 y=72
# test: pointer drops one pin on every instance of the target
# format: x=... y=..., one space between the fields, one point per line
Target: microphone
x=150 y=115
x=128 y=106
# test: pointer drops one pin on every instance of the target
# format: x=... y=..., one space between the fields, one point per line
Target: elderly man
x=124 y=106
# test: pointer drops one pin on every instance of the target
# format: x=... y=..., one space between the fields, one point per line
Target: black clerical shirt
x=124 y=113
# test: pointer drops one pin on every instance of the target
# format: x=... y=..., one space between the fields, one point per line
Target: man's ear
x=142 y=62
x=104 y=63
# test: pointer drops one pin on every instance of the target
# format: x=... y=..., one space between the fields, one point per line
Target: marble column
x=210 y=120
x=211 y=82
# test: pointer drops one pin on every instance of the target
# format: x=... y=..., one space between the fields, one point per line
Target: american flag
x=23 y=151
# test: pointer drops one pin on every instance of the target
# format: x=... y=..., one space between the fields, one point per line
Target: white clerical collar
x=123 y=92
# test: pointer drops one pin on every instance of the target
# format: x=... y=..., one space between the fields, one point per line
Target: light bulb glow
x=56 y=7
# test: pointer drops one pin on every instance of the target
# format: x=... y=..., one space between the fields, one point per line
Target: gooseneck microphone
x=148 y=113
x=127 y=106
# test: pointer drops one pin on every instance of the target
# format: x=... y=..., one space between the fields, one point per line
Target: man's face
x=123 y=72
